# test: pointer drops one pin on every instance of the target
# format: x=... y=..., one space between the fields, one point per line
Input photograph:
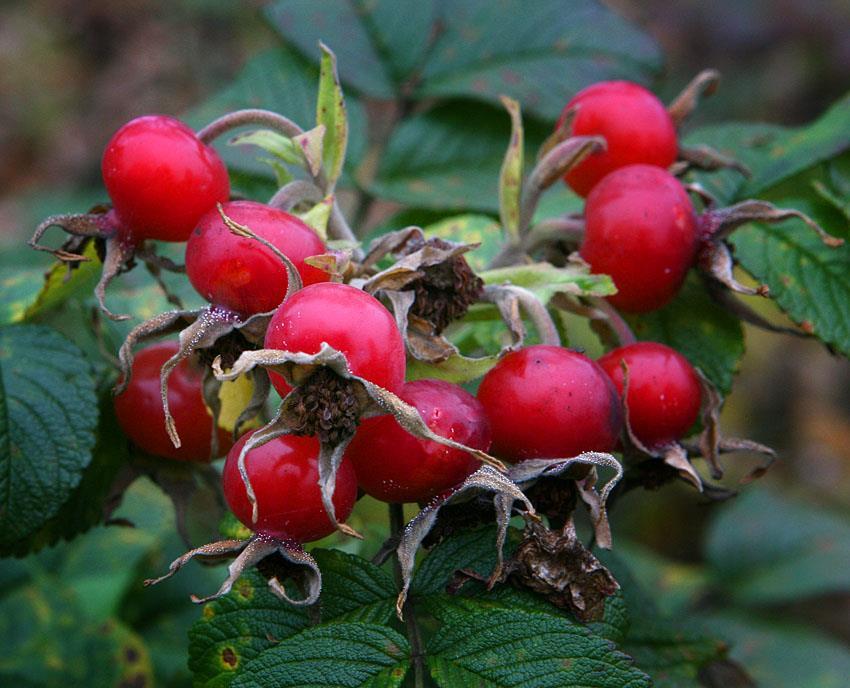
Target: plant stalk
x=414 y=636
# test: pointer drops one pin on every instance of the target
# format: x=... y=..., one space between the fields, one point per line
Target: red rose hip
x=635 y=124
x=664 y=395
x=240 y=273
x=284 y=474
x=640 y=229
x=161 y=178
x=394 y=466
x=349 y=320
x=549 y=402
x=141 y=416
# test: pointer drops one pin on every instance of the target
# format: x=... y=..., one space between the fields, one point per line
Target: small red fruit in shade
x=349 y=320
x=241 y=274
x=635 y=124
x=284 y=474
x=161 y=178
x=140 y=413
x=664 y=396
x=549 y=402
x=394 y=466
x=640 y=228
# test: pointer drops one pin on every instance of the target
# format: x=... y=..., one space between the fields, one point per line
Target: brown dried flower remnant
x=325 y=405
x=445 y=291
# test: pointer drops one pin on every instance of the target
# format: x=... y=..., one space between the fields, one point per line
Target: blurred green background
x=72 y=72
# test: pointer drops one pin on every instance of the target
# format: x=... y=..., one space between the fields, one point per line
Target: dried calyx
x=446 y=290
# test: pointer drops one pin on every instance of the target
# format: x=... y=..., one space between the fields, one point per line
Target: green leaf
x=236 y=628
x=20 y=287
x=448 y=158
x=85 y=506
x=539 y=53
x=344 y=655
x=546 y=280
x=809 y=280
x=457 y=369
x=470 y=549
x=510 y=178
x=513 y=647
x=711 y=338
x=48 y=414
x=782 y=655
x=272 y=142
x=766 y=548
x=284 y=82
x=330 y=113
x=470 y=229
x=354 y=589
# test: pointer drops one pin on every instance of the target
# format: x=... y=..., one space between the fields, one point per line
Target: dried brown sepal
x=100 y=225
x=297 y=368
x=739 y=309
x=484 y=480
x=210 y=389
x=250 y=553
x=706 y=158
x=672 y=454
x=709 y=439
x=559 y=567
x=715 y=260
x=512 y=301
x=719 y=223
x=554 y=164
x=338 y=263
x=530 y=470
x=703 y=84
x=561 y=133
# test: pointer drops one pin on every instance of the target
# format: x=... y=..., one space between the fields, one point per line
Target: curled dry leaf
x=262 y=551
x=365 y=399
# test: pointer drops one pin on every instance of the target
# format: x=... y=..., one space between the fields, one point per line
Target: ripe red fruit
x=549 y=402
x=664 y=394
x=640 y=228
x=241 y=274
x=394 y=466
x=284 y=474
x=140 y=413
x=635 y=124
x=161 y=178
x=348 y=319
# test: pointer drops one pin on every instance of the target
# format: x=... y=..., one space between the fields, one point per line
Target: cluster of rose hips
x=257 y=263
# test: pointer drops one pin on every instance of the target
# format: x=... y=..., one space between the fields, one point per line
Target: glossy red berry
x=394 y=466
x=284 y=474
x=161 y=178
x=140 y=413
x=664 y=394
x=349 y=320
x=549 y=402
x=241 y=274
x=635 y=124
x=640 y=228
